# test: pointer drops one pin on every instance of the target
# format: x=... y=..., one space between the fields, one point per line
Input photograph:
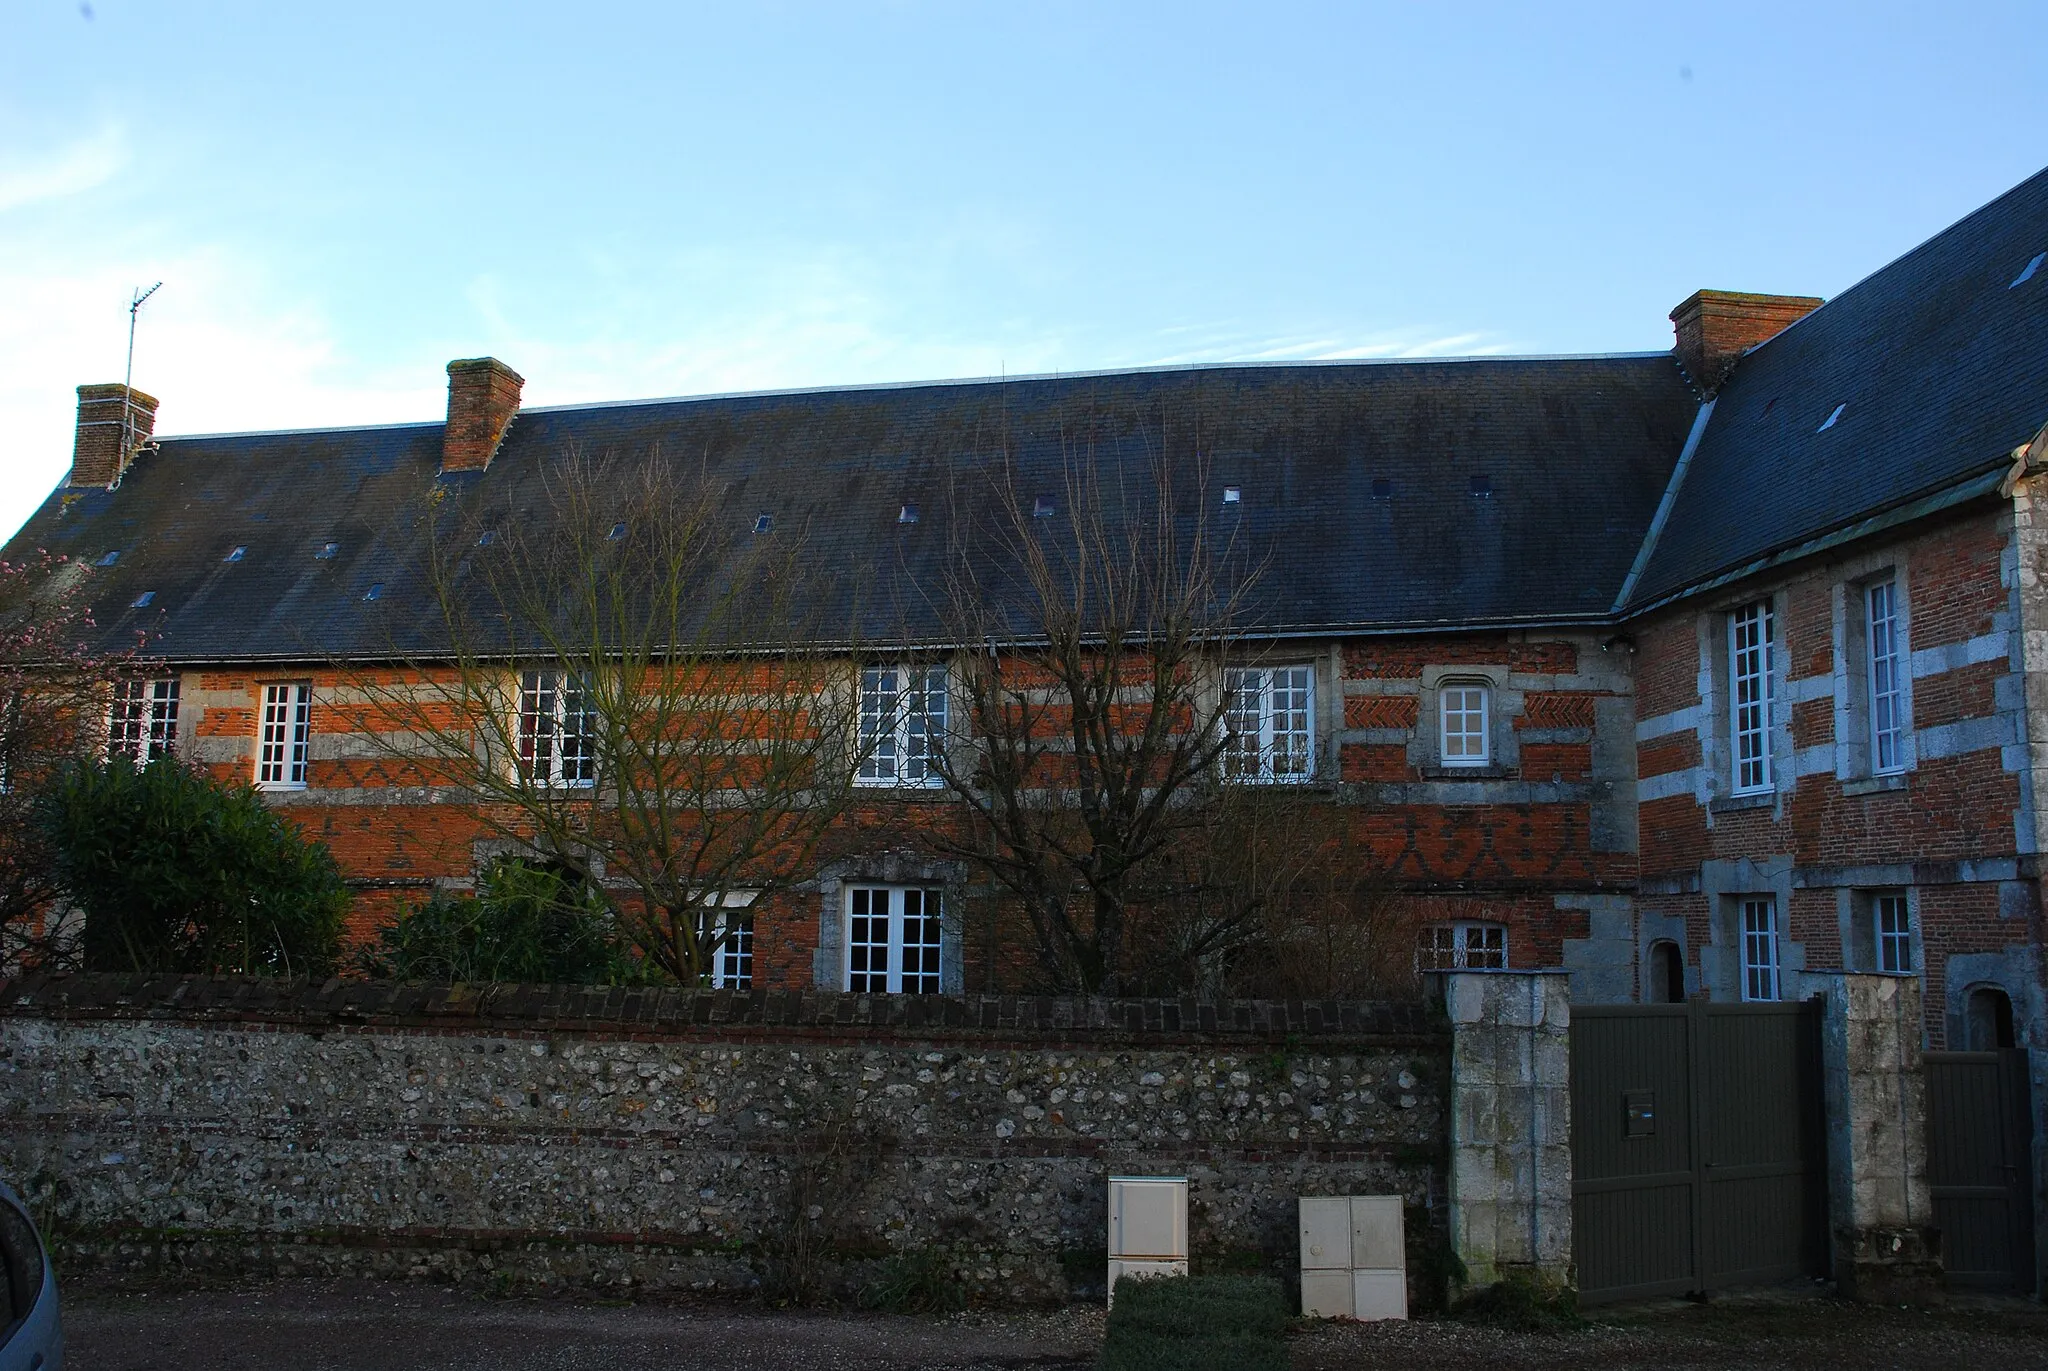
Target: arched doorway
x=1664 y=982
x=1987 y=1020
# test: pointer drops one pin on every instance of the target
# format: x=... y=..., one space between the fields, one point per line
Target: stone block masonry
x=664 y=1142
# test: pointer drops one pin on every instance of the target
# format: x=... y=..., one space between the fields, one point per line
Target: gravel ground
x=361 y=1325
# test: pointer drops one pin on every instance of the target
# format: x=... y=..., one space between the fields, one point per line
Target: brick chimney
x=113 y=421
x=1715 y=327
x=483 y=395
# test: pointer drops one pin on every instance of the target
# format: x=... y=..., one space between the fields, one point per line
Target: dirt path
x=365 y=1326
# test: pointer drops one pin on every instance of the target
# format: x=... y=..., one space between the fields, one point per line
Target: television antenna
x=128 y=383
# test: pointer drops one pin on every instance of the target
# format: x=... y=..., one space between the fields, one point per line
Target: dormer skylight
x=1830 y=422
x=2031 y=267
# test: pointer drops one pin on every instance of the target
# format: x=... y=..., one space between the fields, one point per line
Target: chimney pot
x=1715 y=327
x=483 y=396
x=113 y=421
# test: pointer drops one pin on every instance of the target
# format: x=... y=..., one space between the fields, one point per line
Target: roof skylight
x=1042 y=507
x=375 y=592
x=1232 y=495
x=236 y=555
x=326 y=551
x=110 y=558
x=763 y=522
x=618 y=532
x=2028 y=274
x=1482 y=487
x=1382 y=489
x=907 y=514
x=1830 y=423
x=142 y=601
x=486 y=538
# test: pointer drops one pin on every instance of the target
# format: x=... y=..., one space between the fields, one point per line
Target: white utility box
x=1148 y=1227
x=1354 y=1257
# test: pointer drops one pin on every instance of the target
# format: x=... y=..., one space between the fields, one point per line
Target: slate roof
x=1939 y=366
x=1572 y=456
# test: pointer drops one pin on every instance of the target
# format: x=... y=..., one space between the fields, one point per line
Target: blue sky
x=666 y=199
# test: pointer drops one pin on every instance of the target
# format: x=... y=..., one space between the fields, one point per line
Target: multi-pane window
x=285 y=730
x=902 y=725
x=1760 y=948
x=727 y=932
x=892 y=940
x=1269 y=718
x=1892 y=930
x=143 y=723
x=1462 y=947
x=1461 y=715
x=557 y=729
x=1749 y=695
x=1887 y=696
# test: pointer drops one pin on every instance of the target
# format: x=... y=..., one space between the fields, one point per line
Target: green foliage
x=919 y=1281
x=175 y=871
x=1196 y=1323
x=527 y=922
x=1521 y=1304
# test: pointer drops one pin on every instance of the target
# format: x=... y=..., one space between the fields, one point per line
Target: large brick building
x=1689 y=672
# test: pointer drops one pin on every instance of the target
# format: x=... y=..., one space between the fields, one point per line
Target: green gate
x=1980 y=1142
x=1698 y=1158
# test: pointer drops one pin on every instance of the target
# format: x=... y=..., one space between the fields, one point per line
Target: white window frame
x=1757 y=926
x=1462 y=945
x=1885 y=663
x=1891 y=933
x=1751 y=692
x=901 y=911
x=284 y=733
x=550 y=715
x=729 y=923
x=1269 y=714
x=1454 y=700
x=142 y=721
x=902 y=725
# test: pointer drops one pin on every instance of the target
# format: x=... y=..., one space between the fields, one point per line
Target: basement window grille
x=1469 y=946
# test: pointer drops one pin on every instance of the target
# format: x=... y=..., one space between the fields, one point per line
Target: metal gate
x=1980 y=1139
x=1698 y=1158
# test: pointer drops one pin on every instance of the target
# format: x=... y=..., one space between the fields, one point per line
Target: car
x=31 y=1332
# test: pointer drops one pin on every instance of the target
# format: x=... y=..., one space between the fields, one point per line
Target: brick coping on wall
x=716 y=1015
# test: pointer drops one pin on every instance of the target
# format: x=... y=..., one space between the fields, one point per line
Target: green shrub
x=1521 y=1305
x=175 y=871
x=920 y=1281
x=1196 y=1323
x=527 y=922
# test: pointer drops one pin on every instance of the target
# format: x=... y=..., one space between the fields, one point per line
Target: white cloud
x=26 y=179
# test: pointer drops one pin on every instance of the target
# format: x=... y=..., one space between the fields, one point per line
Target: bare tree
x=54 y=686
x=637 y=687
x=1105 y=780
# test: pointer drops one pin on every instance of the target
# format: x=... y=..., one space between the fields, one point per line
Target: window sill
x=1735 y=804
x=1492 y=771
x=280 y=787
x=1877 y=785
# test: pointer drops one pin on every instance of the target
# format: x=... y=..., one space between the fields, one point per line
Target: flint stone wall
x=648 y=1140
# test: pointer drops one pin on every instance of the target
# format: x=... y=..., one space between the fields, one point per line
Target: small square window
x=1892 y=933
x=1462 y=947
x=893 y=938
